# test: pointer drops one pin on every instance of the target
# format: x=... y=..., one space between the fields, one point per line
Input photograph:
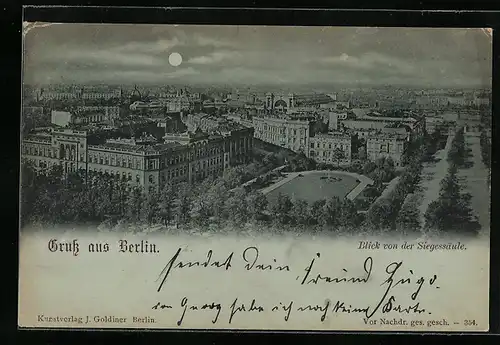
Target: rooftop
x=45 y=138
x=333 y=134
x=387 y=136
x=156 y=148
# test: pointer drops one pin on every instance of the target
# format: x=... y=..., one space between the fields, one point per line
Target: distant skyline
x=258 y=55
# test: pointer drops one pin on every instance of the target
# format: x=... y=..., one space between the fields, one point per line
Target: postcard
x=269 y=178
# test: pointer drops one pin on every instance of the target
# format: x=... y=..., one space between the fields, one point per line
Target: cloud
x=212 y=41
x=370 y=60
x=244 y=54
x=214 y=57
x=111 y=58
x=113 y=75
x=159 y=46
x=100 y=57
x=182 y=73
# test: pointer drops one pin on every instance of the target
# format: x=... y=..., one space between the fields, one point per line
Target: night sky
x=127 y=54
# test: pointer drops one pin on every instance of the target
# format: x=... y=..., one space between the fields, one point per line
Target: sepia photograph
x=256 y=177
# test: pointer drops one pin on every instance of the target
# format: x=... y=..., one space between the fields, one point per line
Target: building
x=63 y=147
x=482 y=101
x=178 y=104
x=110 y=112
x=152 y=165
x=243 y=120
x=289 y=133
x=88 y=117
x=333 y=120
x=143 y=161
x=296 y=102
x=138 y=105
x=46 y=95
x=73 y=93
x=393 y=104
x=203 y=121
x=367 y=122
x=460 y=101
x=403 y=131
x=332 y=148
x=432 y=123
x=443 y=125
x=35 y=117
x=392 y=145
x=238 y=138
x=171 y=123
x=61 y=118
x=96 y=94
x=432 y=102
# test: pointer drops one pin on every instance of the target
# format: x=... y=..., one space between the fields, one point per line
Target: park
x=311 y=186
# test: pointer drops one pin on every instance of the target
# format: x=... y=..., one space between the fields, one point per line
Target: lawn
x=316 y=186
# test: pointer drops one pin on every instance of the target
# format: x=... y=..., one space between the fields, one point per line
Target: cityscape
x=242 y=140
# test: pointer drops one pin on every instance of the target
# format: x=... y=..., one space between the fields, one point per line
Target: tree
x=134 y=204
x=338 y=155
x=388 y=164
x=408 y=219
x=380 y=216
x=451 y=212
x=317 y=214
x=368 y=168
x=166 y=202
x=270 y=160
x=150 y=210
x=300 y=162
x=362 y=153
x=371 y=192
x=217 y=194
x=102 y=197
x=348 y=214
x=256 y=203
x=232 y=177
x=280 y=209
x=200 y=209
x=183 y=196
x=457 y=152
x=379 y=162
x=332 y=210
x=236 y=206
x=450 y=187
x=300 y=212
x=28 y=192
x=485 y=148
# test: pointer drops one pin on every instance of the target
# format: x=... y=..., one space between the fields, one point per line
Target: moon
x=175 y=59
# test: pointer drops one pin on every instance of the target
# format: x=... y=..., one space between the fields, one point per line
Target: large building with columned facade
x=144 y=161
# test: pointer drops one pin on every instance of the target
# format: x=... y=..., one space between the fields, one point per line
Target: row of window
x=42 y=164
x=331 y=160
x=385 y=147
x=327 y=154
x=49 y=152
x=39 y=151
x=280 y=130
x=93 y=118
x=125 y=162
x=330 y=146
x=99 y=95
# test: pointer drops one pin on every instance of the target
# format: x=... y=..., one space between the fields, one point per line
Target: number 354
x=469 y=322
